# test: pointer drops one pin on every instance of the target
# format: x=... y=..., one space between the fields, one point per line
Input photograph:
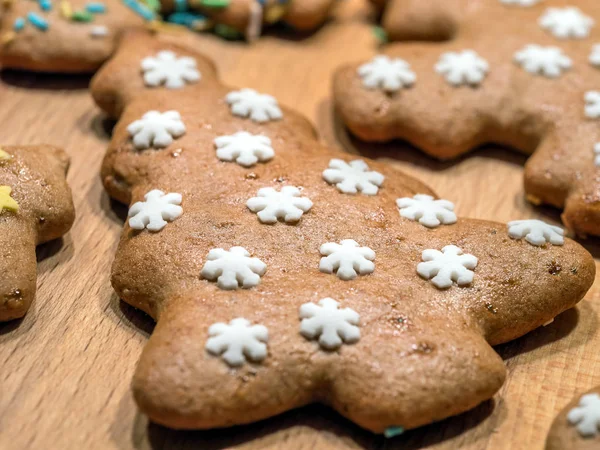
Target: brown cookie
x=577 y=427
x=282 y=273
x=65 y=35
x=35 y=207
x=524 y=76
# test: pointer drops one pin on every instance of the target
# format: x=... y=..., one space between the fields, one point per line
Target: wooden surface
x=65 y=369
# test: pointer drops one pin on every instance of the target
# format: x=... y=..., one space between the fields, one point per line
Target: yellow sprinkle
x=4 y=156
x=66 y=10
x=274 y=13
x=7 y=37
x=6 y=201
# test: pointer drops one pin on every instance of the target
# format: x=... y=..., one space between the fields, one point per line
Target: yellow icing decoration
x=6 y=201
x=274 y=13
x=4 y=156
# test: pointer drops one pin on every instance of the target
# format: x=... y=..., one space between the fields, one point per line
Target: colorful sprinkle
x=227 y=32
x=181 y=5
x=37 y=21
x=65 y=9
x=95 y=8
x=275 y=13
x=82 y=16
x=98 y=31
x=139 y=9
x=214 y=3
x=393 y=432
x=19 y=24
x=46 y=5
x=6 y=201
x=154 y=5
x=380 y=34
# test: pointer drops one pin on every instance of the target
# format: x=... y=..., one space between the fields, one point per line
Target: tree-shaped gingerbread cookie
x=35 y=207
x=282 y=272
x=518 y=72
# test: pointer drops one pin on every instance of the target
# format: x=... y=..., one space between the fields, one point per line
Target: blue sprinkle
x=37 y=21
x=181 y=5
x=19 y=24
x=46 y=5
x=95 y=8
x=139 y=9
x=393 y=432
x=185 y=18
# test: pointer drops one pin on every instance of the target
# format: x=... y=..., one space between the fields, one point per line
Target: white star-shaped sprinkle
x=156 y=129
x=166 y=68
x=347 y=259
x=244 y=148
x=595 y=56
x=547 y=61
x=352 y=177
x=592 y=104
x=428 y=211
x=154 y=213
x=536 y=232
x=520 y=2
x=287 y=204
x=238 y=341
x=333 y=326
x=389 y=74
x=586 y=416
x=258 y=107
x=597 y=154
x=465 y=67
x=566 y=23
x=233 y=269
x=444 y=268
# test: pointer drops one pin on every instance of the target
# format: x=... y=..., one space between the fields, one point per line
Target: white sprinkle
x=99 y=31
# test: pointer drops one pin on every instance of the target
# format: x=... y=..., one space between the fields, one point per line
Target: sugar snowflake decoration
x=244 y=148
x=520 y=2
x=449 y=265
x=347 y=259
x=333 y=326
x=465 y=67
x=390 y=74
x=597 y=154
x=238 y=341
x=155 y=211
x=233 y=269
x=592 y=104
x=547 y=61
x=595 y=56
x=352 y=177
x=586 y=416
x=166 y=68
x=156 y=129
x=566 y=23
x=287 y=204
x=258 y=107
x=536 y=232
x=428 y=211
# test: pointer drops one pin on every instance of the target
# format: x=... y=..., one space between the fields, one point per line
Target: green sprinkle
x=154 y=5
x=227 y=32
x=380 y=34
x=214 y=3
x=82 y=16
x=393 y=432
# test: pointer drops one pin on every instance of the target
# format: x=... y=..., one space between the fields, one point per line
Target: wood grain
x=65 y=369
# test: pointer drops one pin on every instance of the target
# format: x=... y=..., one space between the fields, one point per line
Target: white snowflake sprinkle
x=352 y=177
x=536 y=232
x=525 y=3
x=233 y=269
x=428 y=211
x=597 y=154
x=547 y=61
x=347 y=259
x=390 y=74
x=333 y=326
x=592 y=104
x=154 y=213
x=166 y=68
x=98 y=31
x=156 y=129
x=465 y=67
x=595 y=56
x=449 y=265
x=566 y=23
x=258 y=107
x=586 y=416
x=244 y=148
x=287 y=204
x=238 y=341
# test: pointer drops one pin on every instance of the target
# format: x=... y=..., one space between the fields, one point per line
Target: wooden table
x=65 y=369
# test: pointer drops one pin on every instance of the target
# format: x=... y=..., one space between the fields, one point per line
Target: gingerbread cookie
x=282 y=272
x=66 y=35
x=577 y=427
x=520 y=73
x=247 y=18
x=35 y=207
